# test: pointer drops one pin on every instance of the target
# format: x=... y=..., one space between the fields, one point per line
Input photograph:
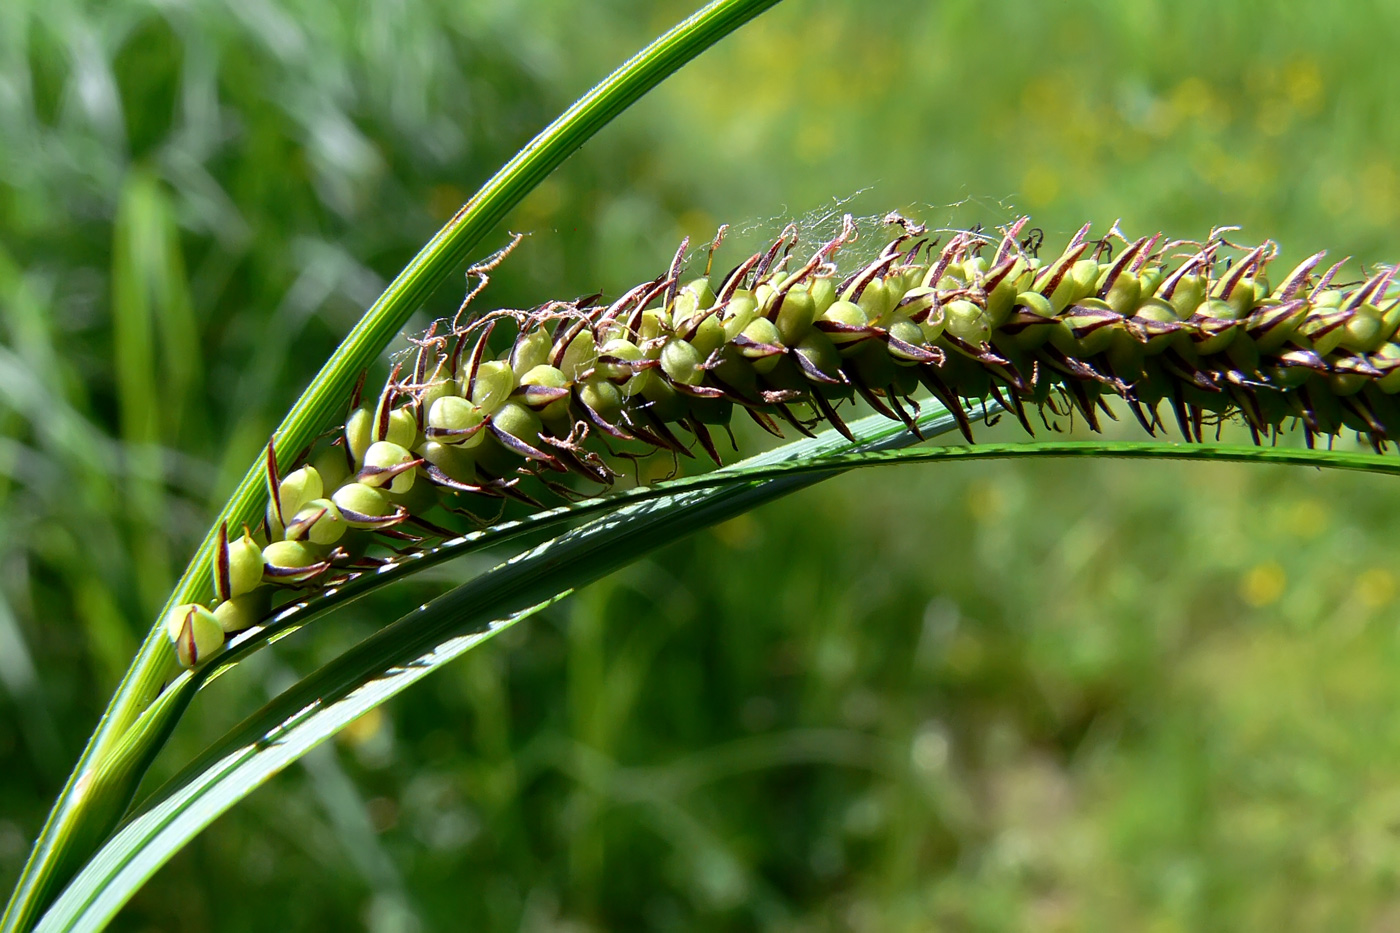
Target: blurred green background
x=971 y=697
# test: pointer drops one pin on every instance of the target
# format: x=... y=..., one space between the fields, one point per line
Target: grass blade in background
x=151 y=311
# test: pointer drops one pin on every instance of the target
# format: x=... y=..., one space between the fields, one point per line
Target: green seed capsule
x=903 y=329
x=244 y=568
x=1363 y=330
x=823 y=291
x=1217 y=310
x=1036 y=303
x=768 y=344
x=914 y=276
x=1330 y=298
x=275 y=529
x=1325 y=330
x=615 y=361
x=401 y=428
x=319 y=521
x=547 y=391
x=1244 y=353
x=1159 y=324
x=968 y=322
x=922 y=303
x=494 y=382
x=1001 y=299
x=364 y=506
x=1390 y=320
x=298 y=488
x=330 y=463
x=1327 y=410
x=906 y=381
x=388 y=465
x=1388 y=359
x=359 y=434
x=1126 y=356
x=1243 y=295
x=1060 y=275
x=1125 y=294
x=694 y=296
x=292 y=561
x=519 y=422
x=735 y=370
x=1217 y=322
x=604 y=398
x=762 y=331
x=655 y=322
x=933 y=326
x=530 y=350
x=739 y=313
x=796 y=315
x=763 y=293
x=1084 y=274
x=241 y=612
x=1035 y=322
x=895 y=288
x=819 y=354
x=1271 y=326
x=1094 y=326
x=708 y=336
x=1344 y=384
x=1190 y=291
x=580 y=356
x=545 y=376
x=875 y=301
x=682 y=362
x=419 y=500
x=1286 y=377
x=917 y=300
x=851 y=325
x=1262 y=288
x=873 y=364
x=454 y=420
x=541 y=386
x=439 y=386
x=719 y=411
x=194 y=632
x=453 y=460
x=664 y=402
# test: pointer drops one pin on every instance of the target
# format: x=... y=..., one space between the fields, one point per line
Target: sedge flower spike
x=1196 y=328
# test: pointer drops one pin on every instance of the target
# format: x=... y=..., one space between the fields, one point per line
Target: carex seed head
x=1191 y=331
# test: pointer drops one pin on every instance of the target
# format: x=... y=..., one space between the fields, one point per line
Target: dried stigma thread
x=1195 y=325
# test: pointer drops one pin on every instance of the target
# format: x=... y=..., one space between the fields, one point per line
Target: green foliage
x=1001 y=695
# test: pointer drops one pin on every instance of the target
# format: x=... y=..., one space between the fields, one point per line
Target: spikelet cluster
x=1197 y=327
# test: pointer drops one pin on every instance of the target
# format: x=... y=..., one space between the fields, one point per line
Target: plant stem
x=95 y=796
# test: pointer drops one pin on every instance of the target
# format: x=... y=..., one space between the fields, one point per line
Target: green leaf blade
x=409 y=649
